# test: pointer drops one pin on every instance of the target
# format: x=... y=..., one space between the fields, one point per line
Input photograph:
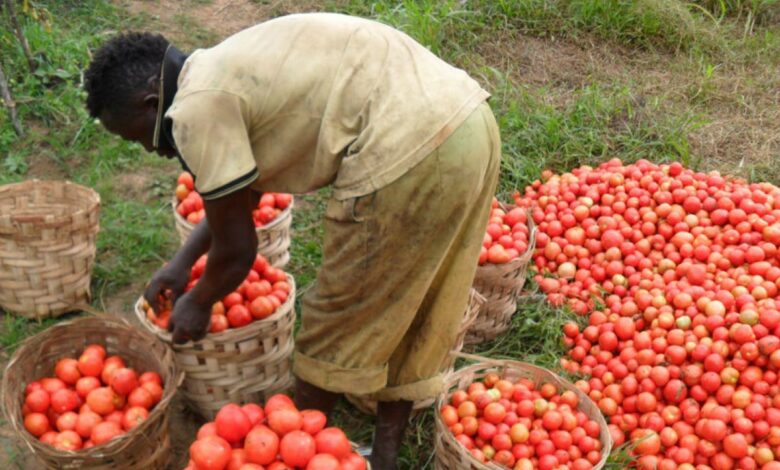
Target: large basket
x=146 y=446
x=501 y=285
x=47 y=246
x=450 y=454
x=238 y=365
x=273 y=239
x=475 y=302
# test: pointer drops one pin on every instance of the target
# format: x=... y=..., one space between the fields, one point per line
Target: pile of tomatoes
x=91 y=400
x=263 y=291
x=522 y=426
x=506 y=237
x=277 y=437
x=678 y=274
x=191 y=203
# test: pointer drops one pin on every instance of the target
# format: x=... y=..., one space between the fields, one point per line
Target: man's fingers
x=180 y=336
x=152 y=295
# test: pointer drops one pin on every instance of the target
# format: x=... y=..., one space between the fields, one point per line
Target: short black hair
x=121 y=67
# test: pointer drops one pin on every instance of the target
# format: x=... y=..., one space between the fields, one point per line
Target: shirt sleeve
x=210 y=129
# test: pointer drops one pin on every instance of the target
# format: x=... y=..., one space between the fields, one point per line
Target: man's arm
x=232 y=250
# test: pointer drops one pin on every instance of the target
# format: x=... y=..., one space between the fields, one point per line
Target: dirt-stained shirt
x=303 y=101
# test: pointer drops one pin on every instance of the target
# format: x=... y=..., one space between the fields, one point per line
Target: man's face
x=136 y=125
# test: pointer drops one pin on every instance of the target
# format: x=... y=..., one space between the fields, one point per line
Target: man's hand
x=172 y=277
x=189 y=320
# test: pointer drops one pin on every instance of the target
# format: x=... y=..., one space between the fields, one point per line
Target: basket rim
x=270 y=226
x=229 y=335
x=169 y=371
x=89 y=195
x=485 y=363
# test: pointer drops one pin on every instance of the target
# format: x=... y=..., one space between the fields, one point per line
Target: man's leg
x=391 y=420
x=311 y=397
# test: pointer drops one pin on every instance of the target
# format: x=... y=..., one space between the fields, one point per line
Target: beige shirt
x=304 y=101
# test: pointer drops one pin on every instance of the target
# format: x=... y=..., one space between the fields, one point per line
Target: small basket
x=450 y=454
x=238 y=365
x=47 y=246
x=368 y=406
x=273 y=238
x=147 y=445
x=501 y=285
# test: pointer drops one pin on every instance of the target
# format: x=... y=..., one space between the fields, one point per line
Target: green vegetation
x=573 y=82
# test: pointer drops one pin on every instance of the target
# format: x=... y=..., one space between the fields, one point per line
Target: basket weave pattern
x=501 y=285
x=146 y=446
x=475 y=303
x=450 y=454
x=47 y=246
x=273 y=239
x=238 y=365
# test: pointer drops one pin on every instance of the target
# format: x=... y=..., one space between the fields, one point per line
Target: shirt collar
x=173 y=61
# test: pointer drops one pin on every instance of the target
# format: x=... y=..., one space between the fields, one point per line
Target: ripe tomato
x=67 y=421
x=85 y=385
x=141 y=397
x=297 y=448
x=313 y=421
x=333 y=441
x=36 y=424
x=95 y=349
x=353 y=462
x=134 y=416
x=67 y=440
x=323 y=462
x=254 y=412
x=261 y=307
x=155 y=390
x=65 y=400
x=85 y=422
x=124 y=381
x=218 y=324
x=67 y=370
x=232 y=423
x=277 y=402
x=38 y=401
x=104 y=432
x=101 y=401
x=238 y=316
x=51 y=385
x=261 y=445
x=285 y=420
x=210 y=453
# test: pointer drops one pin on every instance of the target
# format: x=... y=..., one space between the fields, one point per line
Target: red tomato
x=67 y=440
x=210 y=453
x=254 y=412
x=353 y=462
x=67 y=421
x=67 y=370
x=101 y=401
x=85 y=385
x=277 y=402
x=65 y=400
x=185 y=179
x=104 y=432
x=323 y=462
x=333 y=441
x=155 y=390
x=124 y=381
x=141 y=397
x=261 y=445
x=38 y=401
x=313 y=421
x=51 y=385
x=261 y=307
x=232 y=423
x=238 y=316
x=219 y=323
x=297 y=448
x=36 y=424
x=285 y=420
x=134 y=416
x=85 y=422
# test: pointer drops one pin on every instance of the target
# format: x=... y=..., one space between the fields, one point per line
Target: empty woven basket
x=47 y=246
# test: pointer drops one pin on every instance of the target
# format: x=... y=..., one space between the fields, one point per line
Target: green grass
x=543 y=126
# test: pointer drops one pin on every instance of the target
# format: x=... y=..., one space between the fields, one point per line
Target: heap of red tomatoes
x=91 y=400
x=277 y=437
x=678 y=273
x=191 y=203
x=522 y=426
x=263 y=291
x=506 y=237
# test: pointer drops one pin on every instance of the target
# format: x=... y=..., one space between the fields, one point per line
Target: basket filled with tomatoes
x=274 y=436
x=498 y=414
x=93 y=392
x=247 y=353
x=503 y=266
x=365 y=404
x=272 y=217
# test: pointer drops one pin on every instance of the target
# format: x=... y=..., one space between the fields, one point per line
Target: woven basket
x=273 y=239
x=501 y=285
x=146 y=446
x=368 y=406
x=47 y=246
x=238 y=365
x=450 y=454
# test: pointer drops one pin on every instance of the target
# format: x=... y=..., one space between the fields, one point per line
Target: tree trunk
x=9 y=103
x=9 y=5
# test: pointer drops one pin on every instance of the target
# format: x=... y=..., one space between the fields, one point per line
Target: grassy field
x=573 y=82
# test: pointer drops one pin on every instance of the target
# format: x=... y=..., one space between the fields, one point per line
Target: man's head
x=122 y=85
